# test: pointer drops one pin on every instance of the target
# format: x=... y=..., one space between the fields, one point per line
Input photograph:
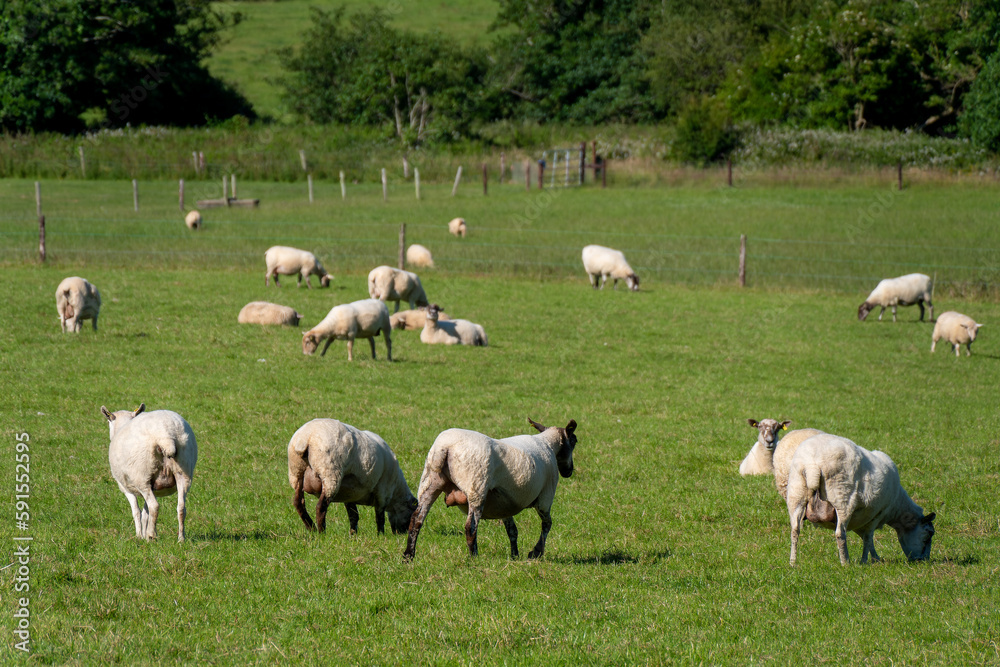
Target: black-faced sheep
x=604 y=263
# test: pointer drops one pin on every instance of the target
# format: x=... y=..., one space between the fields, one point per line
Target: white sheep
x=360 y=319
x=494 y=479
x=338 y=463
x=759 y=461
x=957 y=329
x=264 y=312
x=77 y=300
x=420 y=256
x=388 y=284
x=152 y=454
x=193 y=220
x=914 y=288
x=865 y=493
x=451 y=332
x=604 y=263
x=285 y=261
x=411 y=320
x=457 y=227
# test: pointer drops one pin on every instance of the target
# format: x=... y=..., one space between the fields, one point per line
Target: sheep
x=494 y=479
x=338 y=463
x=411 y=320
x=388 y=284
x=914 y=288
x=290 y=261
x=864 y=489
x=957 y=329
x=152 y=454
x=759 y=460
x=457 y=227
x=418 y=255
x=451 y=332
x=77 y=300
x=263 y=312
x=602 y=262
x=360 y=319
x=193 y=220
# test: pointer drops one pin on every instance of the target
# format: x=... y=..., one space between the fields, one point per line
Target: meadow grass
x=659 y=552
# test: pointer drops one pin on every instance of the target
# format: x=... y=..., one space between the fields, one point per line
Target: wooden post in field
x=83 y=164
x=180 y=195
x=402 y=245
x=743 y=260
x=385 y=187
x=899 y=174
x=201 y=161
x=343 y=187
x=583 y=160
x=309 y=180
x=458 y=177
x=38 y=199
x=406 y=168
x=194 y=159
x=41 y=238
x=604 y=172
x=232 y=185
x=594 y=155
x=527 y=175
x=502 y=167
x=729 y=171
x=225 y=188
x=416 y=181
x=485 y=177
x=302 y=159
x=135 y=195
x=541 y=174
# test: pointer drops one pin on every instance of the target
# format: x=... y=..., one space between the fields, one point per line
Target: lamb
x=605 y=263
x=457 y=227
x=193 y=220
x=957 y=329
x=77 y=300
x=290 y=261
x=418 y=255
x=338 y=463
x=411 y=320
x=388 y=284
x=451 y=332
x=360 y=319
x=152 y=454
x=864 y=489
x=914 y=288
x=263 y=312
x=494 y=479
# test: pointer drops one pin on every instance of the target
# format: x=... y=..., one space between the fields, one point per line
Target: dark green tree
x=981 y=119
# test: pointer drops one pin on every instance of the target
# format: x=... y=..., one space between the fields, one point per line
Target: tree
x=130 y=63
x=981 y=120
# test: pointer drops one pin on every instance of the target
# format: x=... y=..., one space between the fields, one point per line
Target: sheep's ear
x=536 y=425
x=142 y=406
x=108 y=415
x=929 y=517
x=753 y=422
x=571 y=426
x=784 y=424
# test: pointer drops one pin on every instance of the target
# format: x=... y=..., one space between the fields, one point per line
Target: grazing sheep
x=957 y=329
x=418 y=255
x=77 y=300
x=604 y=263
x=457 y=227
x=338 y=463
x=263 y=312
x=193 y=220
x=451 y=332
x=291 y=261
x=388 y=284
x=494 y=479
x=411 y=320
x=152 y=454
x=361 y=319
x=914 y=288
x=864 y=491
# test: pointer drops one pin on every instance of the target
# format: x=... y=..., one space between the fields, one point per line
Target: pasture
x=659 y=551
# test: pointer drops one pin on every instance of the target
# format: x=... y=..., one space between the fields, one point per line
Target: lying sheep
x=152 y=454
x=604 y=263
x=337 y=463
x=411 y=320
x=193 y=220
x=957 y=329
x=864 y=490
x=915 y=288
x=361 y=319
x=759 y=461
x=291 y=261
x=418 y=255
x=451 y=332
x=263 y=312
x=388 y=284
x=77 y=300
x=494 y=479
x=457 y=227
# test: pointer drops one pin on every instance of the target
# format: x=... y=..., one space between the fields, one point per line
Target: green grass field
x=659 y=553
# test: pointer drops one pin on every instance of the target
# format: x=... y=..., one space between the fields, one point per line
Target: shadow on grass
x=220 y=536
x=615 y=557
x=965 y=560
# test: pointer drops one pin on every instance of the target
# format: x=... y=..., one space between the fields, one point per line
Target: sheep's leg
x=546 y=527
x=371 y=341
x=933 y=343
x=330 y=340
x=511 y=527
x=380 y=521
x=471 y=528
x=427 y=498
x=95 y=322
x=321 y=505
x=153 y=510
x=387 y=333
x=958 y=347
x=299 y=283
x=299 y=505
x=183 y=484
x=795 y=517
x=921 y=305
x=880 y=313
x=604 y=279
x=136 y=513
x=593 y=280
x=841 y=535
x=869 y=548
x=352 y=517
x=396 y=310
x=968 y=349
x=350 y=349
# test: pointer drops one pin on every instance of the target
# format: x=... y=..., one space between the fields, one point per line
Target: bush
x=981 y=120
x=704 y=132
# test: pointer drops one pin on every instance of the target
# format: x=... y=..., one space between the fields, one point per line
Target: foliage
x=704 y=132
x=981 y=120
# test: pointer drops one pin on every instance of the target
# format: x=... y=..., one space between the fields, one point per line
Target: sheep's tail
x=814 y=478
x=298 y=462
x=167 y=447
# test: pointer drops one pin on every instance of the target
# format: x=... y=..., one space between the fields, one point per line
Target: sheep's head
x=915 y=534
x=309 y=342
x=116 y=420
x=399 y=515
x=863 y=310
x=632 y=281
x=767 y=431
x=325 y=280
x=564 y=457
x=973 y=329
x=432 y=312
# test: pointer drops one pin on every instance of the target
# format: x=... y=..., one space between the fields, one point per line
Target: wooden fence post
x=83 y=164
x=899 y=174
x=343 y=187
x=502 y=167
x=180 y=195
x=309 y=180
x=484 y=179
x=541 y=174
x=41 y=237
x=583 y=160
x=743 y=260
x=604 y=172
x=402 y=245
x=458 y=177
x=385 y=187
x=232 y=185
x=416 y=181
x=729 y=171
x=38 y=199
x=135 y=195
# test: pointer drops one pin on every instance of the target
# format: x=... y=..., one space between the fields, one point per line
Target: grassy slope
x=247 y=58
